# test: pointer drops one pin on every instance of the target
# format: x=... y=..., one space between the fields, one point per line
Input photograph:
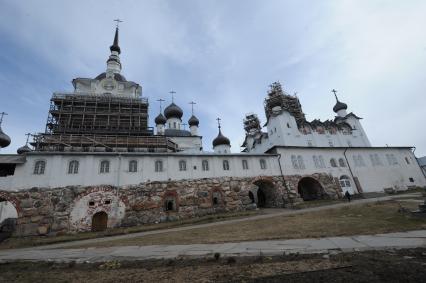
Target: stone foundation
x=43 y=211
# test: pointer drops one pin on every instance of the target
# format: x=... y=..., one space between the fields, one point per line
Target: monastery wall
x=45 y=211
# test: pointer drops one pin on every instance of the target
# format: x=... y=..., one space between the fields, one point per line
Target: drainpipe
x=350 y=169
x=285 y=184
x=118 y=172
x=424 y=175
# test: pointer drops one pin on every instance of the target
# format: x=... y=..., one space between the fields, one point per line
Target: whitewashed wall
x=56 y=171
x=372 y=178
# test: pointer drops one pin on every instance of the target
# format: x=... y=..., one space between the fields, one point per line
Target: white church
x=98 y=139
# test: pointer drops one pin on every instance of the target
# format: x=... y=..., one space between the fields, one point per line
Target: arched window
x=333 y=162
x=262 y=164
x=158 y=166
x=182 y=165
x=133 y=166
x=73 y=167
x=321 y=161
x=345 y=181
x=342 y=162
x=104 y=166
x=407 y=160
x=300 y=162
x=39 y=167
x=225 y=165
x=245 y=164
x=205 y=165
x=315 y=158
x=294 y=162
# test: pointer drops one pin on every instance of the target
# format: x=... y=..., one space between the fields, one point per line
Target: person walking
x=348 y=196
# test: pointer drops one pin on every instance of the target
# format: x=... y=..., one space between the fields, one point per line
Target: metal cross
x=160 y=100
x=334 y=91
x=172 y=92
x=192 y=106
x=118 y=21
x=1 y=116
x=218 y=122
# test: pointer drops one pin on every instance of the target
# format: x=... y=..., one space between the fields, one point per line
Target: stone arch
x=266 y=193
x=99 y=221
x=170 y=201
x=310 y=189
x=217 y=197
x=94 y=200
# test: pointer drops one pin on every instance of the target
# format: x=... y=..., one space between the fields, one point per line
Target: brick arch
x=13 y=200
x=168 y=195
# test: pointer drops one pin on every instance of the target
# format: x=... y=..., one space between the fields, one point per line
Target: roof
x=12 y=159
x=338 y=147
x=173 y=111
x=176 y=133
x=422 y=161
x=221 y=140
x=163 y=154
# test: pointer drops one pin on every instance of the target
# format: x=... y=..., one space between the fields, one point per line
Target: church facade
x=100 y=165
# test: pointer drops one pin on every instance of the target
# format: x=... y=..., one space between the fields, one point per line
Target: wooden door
x=99 y=221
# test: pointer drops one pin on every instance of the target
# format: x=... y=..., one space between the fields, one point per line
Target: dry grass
x=379 y=217
x=32 y=241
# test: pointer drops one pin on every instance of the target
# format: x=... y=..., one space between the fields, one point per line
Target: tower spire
x=115 y=46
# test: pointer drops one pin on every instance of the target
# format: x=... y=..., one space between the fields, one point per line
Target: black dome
x=117 y=77
x=173 y=111
x=193 y=121
x=339 y=106
x=23 y=149
x=160 y=119
x=4 y=139
x=221 y=140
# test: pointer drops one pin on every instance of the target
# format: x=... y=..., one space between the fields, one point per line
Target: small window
x=342 y=162
x=333 y=162
x=91 y=203
x=158 y=166
x=170 y=205
x=407 y=160
x=225 y=165
x=294 y=162
x=133 y=166
x=104 y=167
x=39 y=167
x=245 y=164
x=215 y=201
x=288 y=125
x=174 y=125
x=73 y=167
x=262 y=164
x=108 y=201
x=205 y=165
x=411 y=179
x=300 y=162
x=182 y=165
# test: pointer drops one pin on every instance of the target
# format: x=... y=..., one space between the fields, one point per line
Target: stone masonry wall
x=43 y=211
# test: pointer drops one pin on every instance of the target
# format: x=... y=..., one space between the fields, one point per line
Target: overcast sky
x=223 y=55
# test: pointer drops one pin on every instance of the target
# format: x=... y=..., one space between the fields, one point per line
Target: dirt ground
x=373 y=266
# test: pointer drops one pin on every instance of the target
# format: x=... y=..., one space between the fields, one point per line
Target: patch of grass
x=20 y=242
x=371 y=218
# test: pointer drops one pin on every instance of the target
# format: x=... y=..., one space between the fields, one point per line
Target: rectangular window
x=205 y=165
x=225 y=165
x=158 y=166
x=294 y=162
x=182 y=165
x=262 y=164
x=245 y=164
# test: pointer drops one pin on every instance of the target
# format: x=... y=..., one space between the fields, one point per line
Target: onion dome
x=160 y=119
x=339 y=106
x=193 y=121
x=23 y=149
x=4 y=139
x=221 y=140
x=173 y=111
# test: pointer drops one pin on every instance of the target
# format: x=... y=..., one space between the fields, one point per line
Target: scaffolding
x=278 y=97
x=89 y=122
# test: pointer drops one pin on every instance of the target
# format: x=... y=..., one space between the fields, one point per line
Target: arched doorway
x=99 y=221
x=266 y=194
x=8 y=219
x=310 y=189
x=346 y=185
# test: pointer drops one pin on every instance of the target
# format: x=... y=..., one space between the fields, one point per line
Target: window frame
x=244 y=163
x=73 y=166
x=182 y=165
x=39 y=167
x=104 y=169
x=205 y=165
x=133 y=166
x=225 y=165
x=158 y=166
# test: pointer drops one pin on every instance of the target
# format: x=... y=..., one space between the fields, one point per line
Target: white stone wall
x=371 y=178
x=56 y=171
